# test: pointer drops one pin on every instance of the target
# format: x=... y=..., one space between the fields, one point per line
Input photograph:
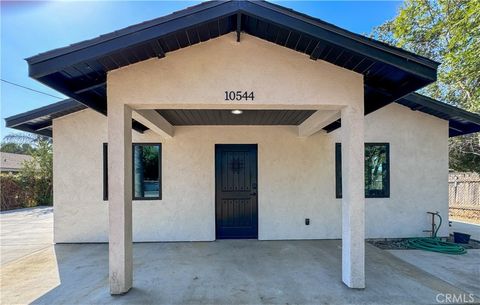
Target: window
x=146 y=171
x=377 y=170
x=105 y=171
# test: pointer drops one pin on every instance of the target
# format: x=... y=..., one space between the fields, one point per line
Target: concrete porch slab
x=221 y=272
x=461 y=271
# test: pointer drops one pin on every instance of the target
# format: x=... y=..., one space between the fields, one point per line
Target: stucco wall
x=418 y=172
x=296 y=179
x=198 y=76
x=296 y=175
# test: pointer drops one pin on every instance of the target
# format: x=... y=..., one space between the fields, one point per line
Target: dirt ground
x=472 y=216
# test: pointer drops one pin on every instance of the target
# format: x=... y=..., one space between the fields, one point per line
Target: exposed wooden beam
x=91 y=87
x=158 y=49
x=317 y=51
x=453 y=128
x=239 y=26
x=317 y=122
x=154 y=121
x=42 y=126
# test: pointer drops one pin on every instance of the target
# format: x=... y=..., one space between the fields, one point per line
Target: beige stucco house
x=242 y=119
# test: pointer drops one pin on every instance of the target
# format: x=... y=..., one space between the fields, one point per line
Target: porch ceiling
x=80 y=70
x=181 y=117
x=40 y=120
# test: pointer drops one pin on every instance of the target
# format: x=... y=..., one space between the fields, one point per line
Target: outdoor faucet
x=433 y=231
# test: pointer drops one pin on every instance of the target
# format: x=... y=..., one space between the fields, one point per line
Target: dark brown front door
x=236 y=191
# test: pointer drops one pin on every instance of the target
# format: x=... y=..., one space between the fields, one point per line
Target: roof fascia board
x=21 y=121
x=125 y=31
x=340 y=31
x=53 y=64
x=44 y=64
x=315 y=29
x=39 y=112
x=443 y=107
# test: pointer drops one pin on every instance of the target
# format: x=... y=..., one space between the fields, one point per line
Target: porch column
x=120 y=197
x=353 y=196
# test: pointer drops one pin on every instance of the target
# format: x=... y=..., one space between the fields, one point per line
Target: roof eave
x=461 y=122
x=15 y=120
x=53 y=61
x=437 y=105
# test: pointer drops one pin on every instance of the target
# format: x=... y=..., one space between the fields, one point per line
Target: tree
x=36 y=175
x=447 y=31
x=16 y=148
x=19 y=143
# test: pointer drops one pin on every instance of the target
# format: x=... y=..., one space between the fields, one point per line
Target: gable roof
x=460 y=121
x=10 y=162
x=79 y=70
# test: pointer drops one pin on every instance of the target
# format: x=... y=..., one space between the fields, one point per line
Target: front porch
x=234 y=69
x=220 y=272
x=121 y=171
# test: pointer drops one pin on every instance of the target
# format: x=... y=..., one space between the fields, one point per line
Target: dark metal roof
x=225 y=117
x=390 y=73
x=39 y=120
x=79 y=70
x=460 y=121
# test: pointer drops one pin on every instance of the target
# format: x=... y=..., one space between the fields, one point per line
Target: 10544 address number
x=239 y=96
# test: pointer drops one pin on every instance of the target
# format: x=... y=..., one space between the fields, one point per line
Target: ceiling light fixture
x=237 y=111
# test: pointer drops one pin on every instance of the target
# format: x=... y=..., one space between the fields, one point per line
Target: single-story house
x=242 y=119
x=11 y=162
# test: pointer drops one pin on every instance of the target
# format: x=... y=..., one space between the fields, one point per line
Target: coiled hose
x=434 y=244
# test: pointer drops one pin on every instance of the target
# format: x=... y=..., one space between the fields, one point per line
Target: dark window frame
x=385 y=193
x=159 y=197
x=105 y=171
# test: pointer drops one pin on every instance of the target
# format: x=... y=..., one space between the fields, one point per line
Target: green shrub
x=12 y=195
x=36 y=176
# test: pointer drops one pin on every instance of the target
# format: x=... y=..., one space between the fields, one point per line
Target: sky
x=29 y=28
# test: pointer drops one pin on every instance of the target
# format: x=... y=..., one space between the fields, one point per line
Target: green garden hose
x=434 y=243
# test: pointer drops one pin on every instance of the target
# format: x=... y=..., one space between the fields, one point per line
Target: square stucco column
x=353 y=197
x=120 y=198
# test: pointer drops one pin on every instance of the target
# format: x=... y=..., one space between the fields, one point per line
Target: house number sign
x=239 y=95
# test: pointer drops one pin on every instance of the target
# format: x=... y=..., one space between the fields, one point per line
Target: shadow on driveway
x=227 y=271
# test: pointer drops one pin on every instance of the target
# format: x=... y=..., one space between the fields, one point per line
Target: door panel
x=236 y=191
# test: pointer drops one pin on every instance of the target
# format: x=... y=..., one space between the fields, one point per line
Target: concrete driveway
x=461 y=271
x=25 y=231
x=221 y=272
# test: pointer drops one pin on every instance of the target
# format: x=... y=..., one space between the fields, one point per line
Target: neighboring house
x=12 y=163
x=238 y=110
